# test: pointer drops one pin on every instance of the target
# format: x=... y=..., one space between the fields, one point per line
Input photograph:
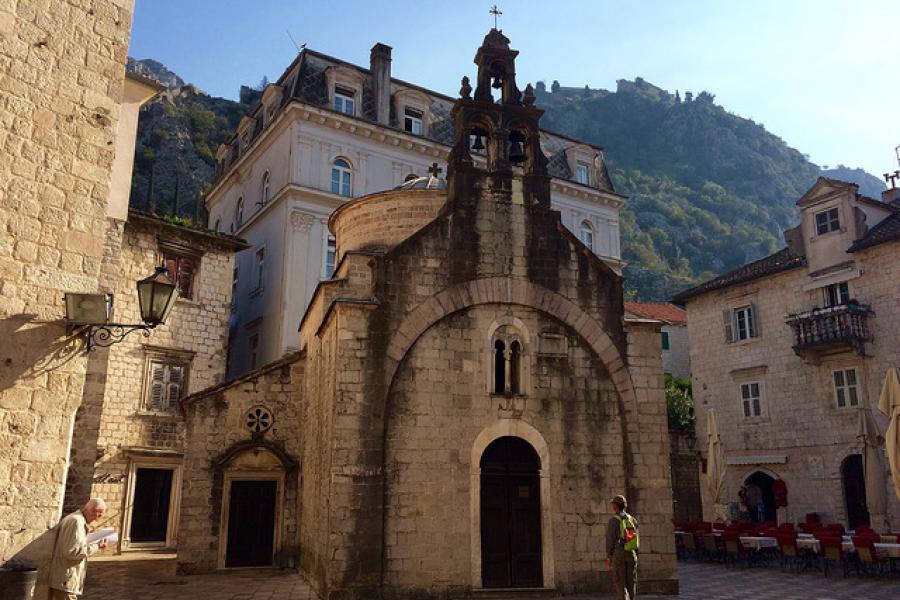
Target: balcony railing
x=831 y=329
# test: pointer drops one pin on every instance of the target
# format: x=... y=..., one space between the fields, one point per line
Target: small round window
x=259 y=419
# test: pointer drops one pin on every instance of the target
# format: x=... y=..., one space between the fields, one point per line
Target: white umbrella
x=715 y=466
x=873 y=469
x=889 y=404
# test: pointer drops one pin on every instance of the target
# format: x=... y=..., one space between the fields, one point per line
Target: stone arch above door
x=505 y=290
x=525 y=431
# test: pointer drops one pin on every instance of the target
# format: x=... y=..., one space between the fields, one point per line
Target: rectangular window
x=665 y=340
x=412 y=121
x=181 y=271
x=751 y=399
x=827 y=221
x=836 y=294
x=330 y=256
x=582 y=175
x=165 y=385
x=846 y=388
x=254 y=350
x=260 y=268
x=343 y=100
x=744 y=323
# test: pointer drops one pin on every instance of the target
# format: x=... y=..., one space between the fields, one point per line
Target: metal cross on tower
x=435 y=170
x=496 y=12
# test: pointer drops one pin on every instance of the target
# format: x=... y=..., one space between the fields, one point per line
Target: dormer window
x=344 y=100
x=412 y=120
x=827 y=221
x=582 y=173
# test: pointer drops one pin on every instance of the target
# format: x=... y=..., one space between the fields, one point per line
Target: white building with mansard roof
x=327 y=132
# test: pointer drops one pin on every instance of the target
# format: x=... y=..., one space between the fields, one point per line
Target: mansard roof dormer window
x=584 y=164
x=344 y=86
x=413 y=111
x=271 y=100
x=246 y=129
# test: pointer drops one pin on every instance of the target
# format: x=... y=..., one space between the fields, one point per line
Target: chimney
x=380 y=66
x=892 y=194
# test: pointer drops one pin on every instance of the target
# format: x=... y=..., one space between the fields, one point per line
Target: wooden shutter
x=185 y=277
x=728 y=324
x=754 y=321
x=174 y=384
x=157 y=392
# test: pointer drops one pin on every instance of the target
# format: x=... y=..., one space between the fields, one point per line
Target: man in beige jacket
x=69 y=560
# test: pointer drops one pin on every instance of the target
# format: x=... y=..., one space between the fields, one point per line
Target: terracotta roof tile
x=661 y=311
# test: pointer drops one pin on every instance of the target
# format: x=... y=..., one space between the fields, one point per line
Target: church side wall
x=441 y=402
x=217 y=424
x=63 y=67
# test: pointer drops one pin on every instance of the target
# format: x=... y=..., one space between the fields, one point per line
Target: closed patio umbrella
x=889 y=404
x=715 y=466
x=873 y=468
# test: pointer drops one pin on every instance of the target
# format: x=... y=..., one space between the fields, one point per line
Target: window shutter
x=186 y=277
x=754 y=320
x=174 y=385
x=157 y=386
x=728 y=324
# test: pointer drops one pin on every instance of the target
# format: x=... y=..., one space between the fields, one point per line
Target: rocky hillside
x=708 y=190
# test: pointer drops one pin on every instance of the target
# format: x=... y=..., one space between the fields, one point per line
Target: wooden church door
x=510 y=515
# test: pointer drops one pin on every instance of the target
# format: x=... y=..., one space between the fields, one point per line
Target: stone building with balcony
x=327 y=132
x=790 y=348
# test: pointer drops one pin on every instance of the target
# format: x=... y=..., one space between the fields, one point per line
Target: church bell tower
x=503 y=130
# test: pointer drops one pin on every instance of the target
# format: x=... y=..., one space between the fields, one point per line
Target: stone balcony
x=825 y=331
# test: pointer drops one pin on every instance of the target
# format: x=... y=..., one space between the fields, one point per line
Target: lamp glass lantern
x=156 y=296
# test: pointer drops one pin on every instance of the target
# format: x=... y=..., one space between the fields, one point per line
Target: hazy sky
x=821 y=74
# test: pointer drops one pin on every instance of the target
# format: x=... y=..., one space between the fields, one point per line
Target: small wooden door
x=251 y=523
x=855 y=491
x=510 y=515
x=150 y=507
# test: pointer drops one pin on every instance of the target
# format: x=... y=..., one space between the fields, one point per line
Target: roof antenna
x=892 y=178
x=293 y=41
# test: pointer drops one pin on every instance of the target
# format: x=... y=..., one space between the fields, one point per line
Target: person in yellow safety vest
x=622 y=549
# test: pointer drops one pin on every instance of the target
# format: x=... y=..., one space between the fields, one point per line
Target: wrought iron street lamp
x=156 y=298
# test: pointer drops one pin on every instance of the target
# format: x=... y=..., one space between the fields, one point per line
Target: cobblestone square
x=152 y=577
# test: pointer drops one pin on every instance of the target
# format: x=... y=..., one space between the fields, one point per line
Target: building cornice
x=365 y=129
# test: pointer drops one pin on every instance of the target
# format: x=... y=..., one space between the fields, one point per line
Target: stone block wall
x=685 y=478
x=216 y=434
x=62 y=66
x=113 y=421
x=801 y=426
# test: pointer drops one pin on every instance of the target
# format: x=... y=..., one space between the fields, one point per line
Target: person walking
x=68 y=561
x=622 y=549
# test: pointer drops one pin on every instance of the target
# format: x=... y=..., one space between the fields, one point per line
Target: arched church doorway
x=510 y=515
x=760 y=498
x=854 y=481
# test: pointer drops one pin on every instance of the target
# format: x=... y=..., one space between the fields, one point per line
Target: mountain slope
x=708 y=190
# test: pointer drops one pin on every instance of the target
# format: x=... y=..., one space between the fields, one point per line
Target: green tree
x=679 y=403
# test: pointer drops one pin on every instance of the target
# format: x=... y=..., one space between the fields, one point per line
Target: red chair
x=735 y=552
x=867 y=556
x=832 y=551
x=791 y=556
x=836 y=528
x=812 y=518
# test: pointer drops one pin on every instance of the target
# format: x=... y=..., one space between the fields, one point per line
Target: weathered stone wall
x=802 y=425
x=62 y=66
x=216 y=427
x=677 y=359
x=685 y=478
x=438 y=406
x=113 y=421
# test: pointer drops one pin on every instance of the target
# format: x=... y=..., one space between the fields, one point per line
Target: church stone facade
x=466 y=398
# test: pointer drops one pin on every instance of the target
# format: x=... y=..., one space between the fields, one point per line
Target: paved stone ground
x=152 y=577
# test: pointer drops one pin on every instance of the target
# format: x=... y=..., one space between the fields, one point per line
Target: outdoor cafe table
x=758 y=543
x=890 y=550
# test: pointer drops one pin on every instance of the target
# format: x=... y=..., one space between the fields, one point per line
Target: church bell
x=477 y=144
x=516 y=154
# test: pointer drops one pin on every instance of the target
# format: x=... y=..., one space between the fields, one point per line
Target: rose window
x=259 y=419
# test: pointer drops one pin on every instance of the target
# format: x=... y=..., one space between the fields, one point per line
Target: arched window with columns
x=509 y=365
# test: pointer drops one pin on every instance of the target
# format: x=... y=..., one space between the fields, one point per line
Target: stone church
x=466 y=398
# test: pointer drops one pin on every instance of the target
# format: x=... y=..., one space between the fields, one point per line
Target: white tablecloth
x=758 y=543
x=891 y=550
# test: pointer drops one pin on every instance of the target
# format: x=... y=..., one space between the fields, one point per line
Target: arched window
x=264 y=197
x=218 y=226
x=410 y=177
x=586 y=234
x=239 y=213
x=340 y=177
x=499 y=367
x=515 y=359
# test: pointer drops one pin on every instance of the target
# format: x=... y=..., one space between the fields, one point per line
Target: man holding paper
x=69 y=560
